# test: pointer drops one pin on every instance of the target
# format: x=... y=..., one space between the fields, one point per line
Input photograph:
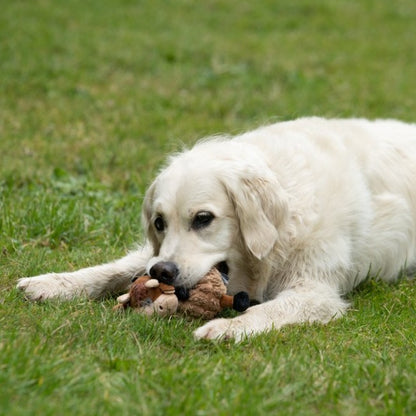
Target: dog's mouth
x=182 y=292
x=222 y=267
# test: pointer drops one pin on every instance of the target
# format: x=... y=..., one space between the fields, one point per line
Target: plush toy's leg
x=226 y=301
x=241 y=301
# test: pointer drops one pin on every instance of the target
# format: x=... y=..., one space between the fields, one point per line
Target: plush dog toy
x=206 y=300
x=149 y=296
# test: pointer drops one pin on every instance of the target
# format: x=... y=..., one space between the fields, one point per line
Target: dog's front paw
x=222 y=329
x=47 y=286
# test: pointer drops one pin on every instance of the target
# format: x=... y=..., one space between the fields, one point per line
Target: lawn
x=93 y=95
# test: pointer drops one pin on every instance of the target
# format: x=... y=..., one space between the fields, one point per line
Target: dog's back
x=360 y=175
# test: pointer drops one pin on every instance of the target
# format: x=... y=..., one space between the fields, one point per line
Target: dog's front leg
x=93 y=282
x=307 y=302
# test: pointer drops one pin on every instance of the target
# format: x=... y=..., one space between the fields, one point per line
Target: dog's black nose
x=164 y=271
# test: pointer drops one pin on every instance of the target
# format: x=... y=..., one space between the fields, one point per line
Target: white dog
x=297 y=213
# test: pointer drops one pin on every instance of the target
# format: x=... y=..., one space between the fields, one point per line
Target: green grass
x=92 y=97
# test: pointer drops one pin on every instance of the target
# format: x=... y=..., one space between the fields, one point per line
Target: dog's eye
x=202 y=219
x=159 y=223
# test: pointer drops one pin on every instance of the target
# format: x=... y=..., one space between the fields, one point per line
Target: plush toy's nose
x=164 y=271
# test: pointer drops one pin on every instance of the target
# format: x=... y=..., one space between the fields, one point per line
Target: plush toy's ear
x=124 y=299
x=260 y=205
x=152 y=283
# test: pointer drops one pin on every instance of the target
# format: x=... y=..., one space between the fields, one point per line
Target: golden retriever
x=296 y=213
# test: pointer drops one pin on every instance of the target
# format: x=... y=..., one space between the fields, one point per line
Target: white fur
x=304 y=210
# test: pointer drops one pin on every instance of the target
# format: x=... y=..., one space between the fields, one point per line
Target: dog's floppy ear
x=147 y=216
x=260 y=205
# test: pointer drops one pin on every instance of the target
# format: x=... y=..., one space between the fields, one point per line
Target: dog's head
x=214 y=205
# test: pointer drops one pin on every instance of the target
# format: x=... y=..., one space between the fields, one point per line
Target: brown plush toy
x=149 y=297
x=206 y=300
